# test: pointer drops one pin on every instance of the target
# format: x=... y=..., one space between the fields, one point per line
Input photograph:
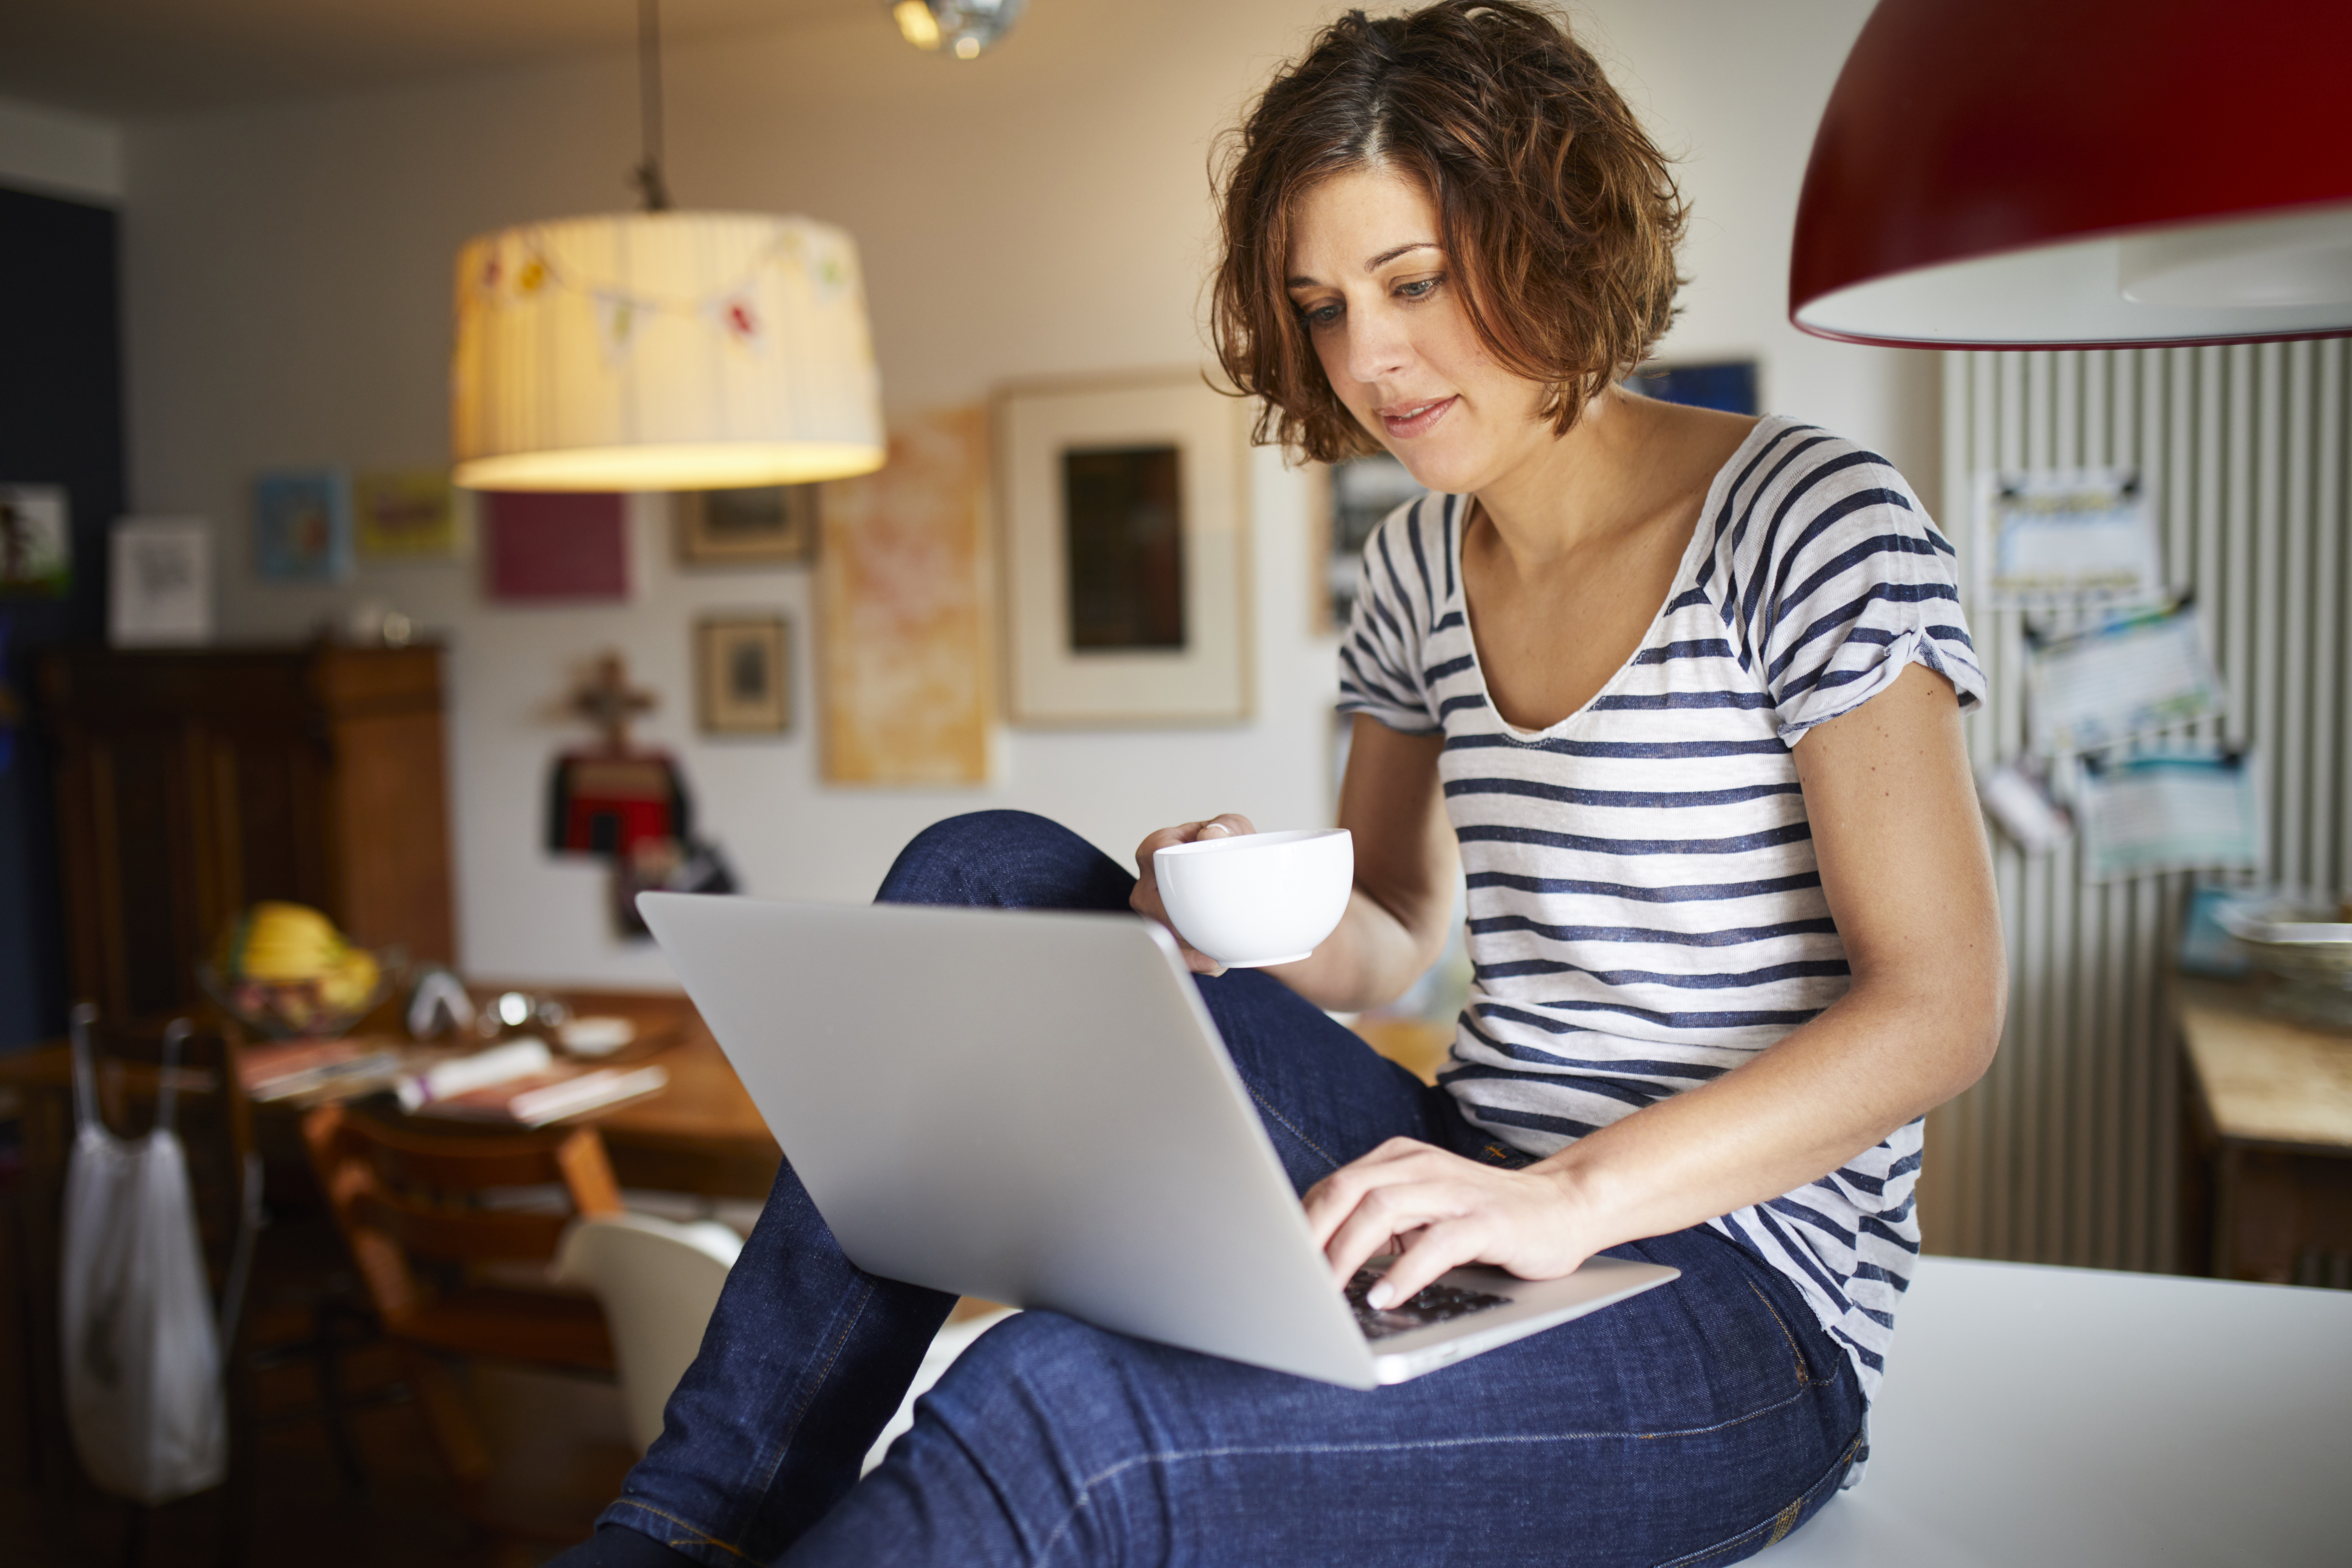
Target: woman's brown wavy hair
x=1557 y=213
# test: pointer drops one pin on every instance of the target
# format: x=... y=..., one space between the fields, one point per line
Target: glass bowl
x=298 y=1009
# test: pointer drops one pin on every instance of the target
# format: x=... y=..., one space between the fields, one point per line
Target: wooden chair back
x=413 y=1206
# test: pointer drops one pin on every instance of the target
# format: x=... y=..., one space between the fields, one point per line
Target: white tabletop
x=2077 y=1416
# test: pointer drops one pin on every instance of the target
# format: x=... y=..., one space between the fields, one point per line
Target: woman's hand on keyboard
x=1437 y=1210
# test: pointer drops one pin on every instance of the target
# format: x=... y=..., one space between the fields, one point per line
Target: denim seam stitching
x=1086 y=1489
x=695 y=1534
x=1779 y=1531
x=1294 y=1132
x=817 y=1387
x=1804 y=1375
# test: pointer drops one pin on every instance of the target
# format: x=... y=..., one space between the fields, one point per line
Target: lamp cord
x=647 y=175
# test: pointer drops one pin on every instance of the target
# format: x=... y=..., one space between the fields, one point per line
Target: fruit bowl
x=297 y=1009
x=286 y=972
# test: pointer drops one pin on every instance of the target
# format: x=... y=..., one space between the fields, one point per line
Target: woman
x=1682 y=690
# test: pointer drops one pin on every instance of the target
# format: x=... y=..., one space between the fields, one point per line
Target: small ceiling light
x=660 y=350
x=961 y=27
x=2047 y=173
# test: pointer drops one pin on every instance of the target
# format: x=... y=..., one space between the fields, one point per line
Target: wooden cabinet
x=191 y=784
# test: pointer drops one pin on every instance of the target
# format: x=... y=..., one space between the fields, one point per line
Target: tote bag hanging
x=142 y=1364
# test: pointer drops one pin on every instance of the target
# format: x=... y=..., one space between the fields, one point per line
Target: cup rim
x=1275 y=839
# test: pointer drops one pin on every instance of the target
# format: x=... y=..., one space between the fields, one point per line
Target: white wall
x=1042 y=211
x=59 y=155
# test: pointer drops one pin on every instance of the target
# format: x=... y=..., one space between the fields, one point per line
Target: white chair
x=658 y=1281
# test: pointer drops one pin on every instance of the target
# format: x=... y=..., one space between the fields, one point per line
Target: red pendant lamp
x=2049 y=174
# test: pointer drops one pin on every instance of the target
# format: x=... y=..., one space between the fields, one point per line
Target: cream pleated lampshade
x=662 y=351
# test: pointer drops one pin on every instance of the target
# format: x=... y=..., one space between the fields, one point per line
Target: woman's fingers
x=1145 y=899
x=1437 y=1211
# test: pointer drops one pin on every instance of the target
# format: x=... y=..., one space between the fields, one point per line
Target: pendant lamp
x=662 y=350
x=2047 y=173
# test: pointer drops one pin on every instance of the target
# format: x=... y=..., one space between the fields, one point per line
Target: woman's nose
x=1377 y=347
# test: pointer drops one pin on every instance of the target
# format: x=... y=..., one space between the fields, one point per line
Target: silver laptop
x=1036 y=1109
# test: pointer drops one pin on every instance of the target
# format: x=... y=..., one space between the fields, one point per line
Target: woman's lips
x=1406 y=420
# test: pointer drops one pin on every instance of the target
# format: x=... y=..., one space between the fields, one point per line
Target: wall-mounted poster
x=1729 y=386
x=550 y=546
x=36 y=540
x=2130 y=674
x=770 y=525
x=1126 y=533
x=407 y=515
x=2066 y=538
x=905 y=675
x=742 y=670
x=303 y=526
x=159 y=589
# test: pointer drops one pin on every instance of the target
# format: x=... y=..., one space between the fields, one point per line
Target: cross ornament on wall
x=609 y=702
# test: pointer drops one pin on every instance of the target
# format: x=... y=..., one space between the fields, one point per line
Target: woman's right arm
x=1403 y=901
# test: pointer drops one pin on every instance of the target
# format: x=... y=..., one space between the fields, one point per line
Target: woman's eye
x=1418 y=288
x=1320 y=315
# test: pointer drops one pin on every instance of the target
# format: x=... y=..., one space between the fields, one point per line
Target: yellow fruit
x=288 y=942
x=351 y=982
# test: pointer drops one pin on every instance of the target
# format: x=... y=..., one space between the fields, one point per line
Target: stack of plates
x=2305 y=940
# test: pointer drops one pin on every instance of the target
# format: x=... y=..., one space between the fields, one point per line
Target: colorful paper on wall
x=907 y=667
x=406 y=516
x=2080 y=536
x=545 y=546
x=2182 y=809
x=303 y=526
x=2127 y=676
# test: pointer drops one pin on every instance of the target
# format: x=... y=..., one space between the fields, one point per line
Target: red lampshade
x=2043 y=173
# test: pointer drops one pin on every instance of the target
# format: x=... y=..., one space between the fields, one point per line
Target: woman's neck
x=1624 y=464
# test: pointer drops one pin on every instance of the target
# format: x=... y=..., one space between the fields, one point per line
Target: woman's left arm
x=1905 y=865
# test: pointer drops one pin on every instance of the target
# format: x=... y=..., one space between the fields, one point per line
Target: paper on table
x=2065 y=538
x=2131 y=673
x=2186 y=809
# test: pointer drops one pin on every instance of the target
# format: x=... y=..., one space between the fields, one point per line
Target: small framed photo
x=742 y=667
x=772 y=525
x=35 y=541
x=303 y=526
x=160 y=592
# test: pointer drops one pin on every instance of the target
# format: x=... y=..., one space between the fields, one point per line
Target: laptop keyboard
x=1430 y=1304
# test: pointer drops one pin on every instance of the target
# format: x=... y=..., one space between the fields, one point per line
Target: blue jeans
x=1694 y=1423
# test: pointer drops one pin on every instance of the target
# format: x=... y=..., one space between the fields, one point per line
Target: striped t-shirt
x=1644 y=908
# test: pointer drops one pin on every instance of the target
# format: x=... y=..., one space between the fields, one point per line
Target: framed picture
x=554 y=546
x=159 y=591
x=35 y=541
x=1126 y=530
x=406 y=515
x=743 y=675
x=773 y=525
x=1356 y=494
x=303 y=526
x=1727 y=384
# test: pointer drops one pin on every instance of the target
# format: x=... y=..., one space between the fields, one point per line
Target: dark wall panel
x=60 y=423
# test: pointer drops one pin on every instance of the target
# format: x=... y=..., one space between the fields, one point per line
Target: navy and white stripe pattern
x=1645 y=913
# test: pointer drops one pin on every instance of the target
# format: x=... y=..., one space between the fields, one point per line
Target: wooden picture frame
x=1125 y=528
x=769 y=526
x=743 y=675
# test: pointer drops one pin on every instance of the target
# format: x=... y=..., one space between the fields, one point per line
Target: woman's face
x=1383 y=309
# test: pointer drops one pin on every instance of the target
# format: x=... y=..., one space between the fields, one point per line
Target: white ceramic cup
x=1257 y=899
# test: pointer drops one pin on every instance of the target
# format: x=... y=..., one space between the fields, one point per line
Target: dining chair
x=457 y=1271
x=658 y=1281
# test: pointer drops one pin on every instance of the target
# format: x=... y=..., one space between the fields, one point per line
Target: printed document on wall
x=2068 y=538
x=2127 y=675
x=2189 y=808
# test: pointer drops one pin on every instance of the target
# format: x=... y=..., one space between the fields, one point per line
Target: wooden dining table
x=699 y=1135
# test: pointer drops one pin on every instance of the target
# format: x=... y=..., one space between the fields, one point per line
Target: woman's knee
x=1004 y=859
